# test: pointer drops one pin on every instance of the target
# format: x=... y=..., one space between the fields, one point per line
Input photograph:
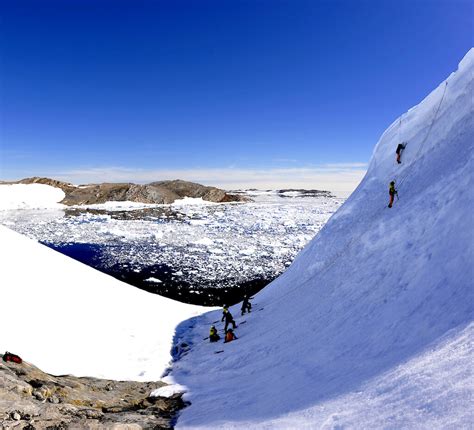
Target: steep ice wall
x=370 y=326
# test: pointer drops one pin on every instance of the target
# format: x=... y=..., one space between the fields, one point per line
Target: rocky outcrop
x=31 y=399
x=65 y=186
x=163 y=192
x=191 y=189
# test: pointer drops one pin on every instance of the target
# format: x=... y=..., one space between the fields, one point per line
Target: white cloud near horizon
x=341 y=179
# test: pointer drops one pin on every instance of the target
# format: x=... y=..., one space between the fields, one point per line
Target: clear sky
x=229 y=93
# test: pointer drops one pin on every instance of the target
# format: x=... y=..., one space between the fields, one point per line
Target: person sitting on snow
x=230 y=336
x=213 y=335
x=229 y=319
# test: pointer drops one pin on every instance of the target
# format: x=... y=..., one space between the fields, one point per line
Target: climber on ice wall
x=399 y=151
x=392 y=192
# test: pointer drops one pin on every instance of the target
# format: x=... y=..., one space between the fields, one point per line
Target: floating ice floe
x=204 y=241
x=155 y=280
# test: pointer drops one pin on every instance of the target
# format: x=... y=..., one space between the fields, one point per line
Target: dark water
x=209 y=294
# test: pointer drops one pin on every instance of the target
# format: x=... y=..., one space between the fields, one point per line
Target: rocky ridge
x=161 y=192
x=31 y=399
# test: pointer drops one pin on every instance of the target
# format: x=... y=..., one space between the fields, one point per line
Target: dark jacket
x=227 y=316
x=400 y=147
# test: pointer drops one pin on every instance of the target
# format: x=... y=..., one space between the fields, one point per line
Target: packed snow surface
x=372 y=324
x=66 y=317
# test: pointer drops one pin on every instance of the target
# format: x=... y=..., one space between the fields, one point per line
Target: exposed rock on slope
x=163 y=192
x=32 y=399
x=190 y=189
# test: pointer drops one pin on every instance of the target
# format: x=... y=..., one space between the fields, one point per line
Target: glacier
x=371 y=326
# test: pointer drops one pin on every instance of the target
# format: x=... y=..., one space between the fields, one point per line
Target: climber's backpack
x=8 y=356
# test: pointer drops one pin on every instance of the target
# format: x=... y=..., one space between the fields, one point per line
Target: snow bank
x=168 y=391
x=65 y=317
x=190 y=201
x=371 y=326
x=30 y=196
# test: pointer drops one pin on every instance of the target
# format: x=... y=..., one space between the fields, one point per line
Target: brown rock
x=161 y=192
x=69 y=402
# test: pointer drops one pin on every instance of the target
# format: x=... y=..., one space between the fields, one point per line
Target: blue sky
x=214 y=91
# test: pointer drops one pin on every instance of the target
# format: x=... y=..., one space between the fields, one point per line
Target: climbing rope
x=400 y=128
x=415 y=158
x=320 y=273
x=349 y=244
x=346 y=248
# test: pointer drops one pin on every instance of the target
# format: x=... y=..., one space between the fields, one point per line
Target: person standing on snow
x=229 y=319
x=392 y=192
x=246 y=306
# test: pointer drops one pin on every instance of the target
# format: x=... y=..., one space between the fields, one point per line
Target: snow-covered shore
x=69 y=318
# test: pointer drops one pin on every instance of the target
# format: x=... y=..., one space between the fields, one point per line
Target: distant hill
x=162 y=192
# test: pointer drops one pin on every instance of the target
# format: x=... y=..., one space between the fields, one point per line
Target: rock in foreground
x=31 y=399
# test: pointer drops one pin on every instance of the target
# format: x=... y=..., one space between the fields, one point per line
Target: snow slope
x=66 y=317
x=372 y=324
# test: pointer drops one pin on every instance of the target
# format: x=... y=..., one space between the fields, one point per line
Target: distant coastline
x=160 y=192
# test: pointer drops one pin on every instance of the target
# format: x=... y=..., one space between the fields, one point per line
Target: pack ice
x=372 y=324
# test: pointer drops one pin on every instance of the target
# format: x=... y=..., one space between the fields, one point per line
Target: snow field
x=66 y=318
x=30 y=196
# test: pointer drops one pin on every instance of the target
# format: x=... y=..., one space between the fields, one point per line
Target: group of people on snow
x=229 y=320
